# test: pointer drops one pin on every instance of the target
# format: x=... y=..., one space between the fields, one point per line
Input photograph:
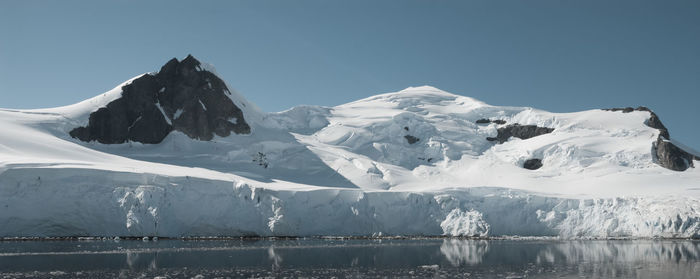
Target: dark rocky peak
x=664 y=152
x=175 y=69
x=182 y=96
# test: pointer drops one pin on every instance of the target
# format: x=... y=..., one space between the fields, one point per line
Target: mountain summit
x=186 y=96
x=182 y=96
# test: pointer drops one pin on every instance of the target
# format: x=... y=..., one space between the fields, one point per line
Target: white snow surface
x=347 y=170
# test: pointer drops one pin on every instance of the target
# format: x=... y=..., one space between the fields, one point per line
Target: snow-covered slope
x=413 y=162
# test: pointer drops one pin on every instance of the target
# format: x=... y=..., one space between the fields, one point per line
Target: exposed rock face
x=519 y=131
x=411 y=139
x=532 y=164
x=487 y=121
x=665 y=153
x=672 y=157
x=624 y=110
x=182 y=97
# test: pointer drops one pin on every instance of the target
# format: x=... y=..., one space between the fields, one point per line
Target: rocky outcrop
x=182 y=96
x=411 y=139
x=671 y=156
x=532 y=164
x=664 y=152
x=487 y=121
x=519 y=131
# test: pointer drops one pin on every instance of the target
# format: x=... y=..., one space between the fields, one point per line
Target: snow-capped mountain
x=179 y=153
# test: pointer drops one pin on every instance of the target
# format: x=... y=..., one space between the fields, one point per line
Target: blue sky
x=554 y=55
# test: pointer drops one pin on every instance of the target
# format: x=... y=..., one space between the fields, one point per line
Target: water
x=351 y=258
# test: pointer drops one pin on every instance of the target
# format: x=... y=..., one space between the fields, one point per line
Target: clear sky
x=555 y=55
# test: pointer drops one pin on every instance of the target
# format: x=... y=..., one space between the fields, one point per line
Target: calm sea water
x=351 y=258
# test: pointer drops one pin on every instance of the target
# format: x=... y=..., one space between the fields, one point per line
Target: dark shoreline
x=259 y=238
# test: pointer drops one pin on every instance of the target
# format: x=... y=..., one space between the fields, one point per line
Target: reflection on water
x=275 y=258
x=599 y=258
x=362 y=258
x=461 y=251
x=464 y=251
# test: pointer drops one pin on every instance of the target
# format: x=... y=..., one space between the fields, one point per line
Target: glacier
x=414 y=162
